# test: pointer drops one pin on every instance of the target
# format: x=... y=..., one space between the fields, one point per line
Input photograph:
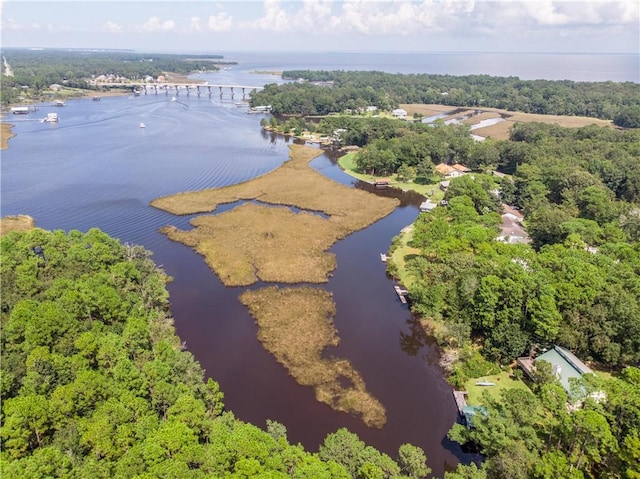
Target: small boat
x=58 y=103
x=383 y=257
x=96 y=98
x=142 y=125
x=50 y=118
x=173 y=98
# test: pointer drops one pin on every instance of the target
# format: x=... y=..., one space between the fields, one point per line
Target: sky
x=591 y=26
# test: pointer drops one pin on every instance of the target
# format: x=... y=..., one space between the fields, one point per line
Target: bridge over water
x=187 y=88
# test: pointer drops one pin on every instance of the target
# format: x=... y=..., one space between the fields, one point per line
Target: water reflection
x=413 y=341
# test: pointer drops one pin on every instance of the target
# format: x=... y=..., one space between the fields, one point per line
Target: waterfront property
x=427 y=206
x=451 y=171
x=20 y=110
x=565 y=365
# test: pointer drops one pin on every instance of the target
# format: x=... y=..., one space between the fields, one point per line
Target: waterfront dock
x=461 y=401
x=401 y=294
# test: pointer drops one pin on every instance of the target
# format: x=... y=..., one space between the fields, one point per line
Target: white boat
x=142 y=125
x=50 y=118
x=173 y=98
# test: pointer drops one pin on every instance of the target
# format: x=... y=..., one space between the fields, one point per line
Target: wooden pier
x=401 y=294
x=461 y=401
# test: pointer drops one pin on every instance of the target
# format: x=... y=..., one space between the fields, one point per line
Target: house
x=460 y=168
x=399 y=113
x=427 y=206
x=444 y=185
x=565 y=365
x=451 y=171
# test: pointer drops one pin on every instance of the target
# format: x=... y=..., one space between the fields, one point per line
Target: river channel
x=98 y=168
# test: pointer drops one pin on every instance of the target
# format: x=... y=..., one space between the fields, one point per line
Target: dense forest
x=95 y=383
x=37 y=69
x=324 y=92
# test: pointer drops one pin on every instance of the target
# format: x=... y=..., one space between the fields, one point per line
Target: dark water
x=98 y=168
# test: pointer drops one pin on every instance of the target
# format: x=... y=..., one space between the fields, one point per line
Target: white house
x=399 y=113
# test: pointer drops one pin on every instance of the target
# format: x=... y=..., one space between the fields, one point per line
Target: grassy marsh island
x=275 y=244
x=295 y=325
x=272 y=243
x=5 y=135
x=22 y=223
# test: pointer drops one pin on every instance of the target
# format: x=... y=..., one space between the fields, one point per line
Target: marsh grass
x=16 y=223
x=253 y=242
x=5 y=134
x=272 y=243
x=296 y=326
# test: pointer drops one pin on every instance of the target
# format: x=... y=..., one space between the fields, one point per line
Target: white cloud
x=275 y=19
x=113 y=27
x=194 y=24
x=52 y=27
x=154 y=24
x=385 y=24
x=220 y=22
x=10 y=24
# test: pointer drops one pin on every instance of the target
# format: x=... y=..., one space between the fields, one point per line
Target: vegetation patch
x=500 y=131
x=256 y=241
x=275 y=244
x=400 y=253
x=295 y=325
x=5 y=135
x=348 y=164
x=12 y=223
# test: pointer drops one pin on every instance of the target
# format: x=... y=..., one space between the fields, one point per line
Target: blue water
x=526 y=66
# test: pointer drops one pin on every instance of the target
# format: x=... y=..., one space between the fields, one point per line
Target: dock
x=461 y=401
x=401 y=294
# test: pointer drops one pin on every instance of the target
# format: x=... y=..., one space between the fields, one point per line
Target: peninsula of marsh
x=281 y=233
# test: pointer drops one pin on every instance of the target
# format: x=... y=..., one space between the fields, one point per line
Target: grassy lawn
x=431 y=190
x=501 y=381
x=400 y=256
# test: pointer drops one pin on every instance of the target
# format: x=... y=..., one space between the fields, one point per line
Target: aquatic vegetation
x=252 y=242
x=274 y=242
x=295 y=325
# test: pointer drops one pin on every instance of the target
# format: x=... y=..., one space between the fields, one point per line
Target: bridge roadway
x=176 y=88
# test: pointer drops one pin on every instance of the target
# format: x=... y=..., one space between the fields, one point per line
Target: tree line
x=36 y=70
x=95 y=383
x=324 y=92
